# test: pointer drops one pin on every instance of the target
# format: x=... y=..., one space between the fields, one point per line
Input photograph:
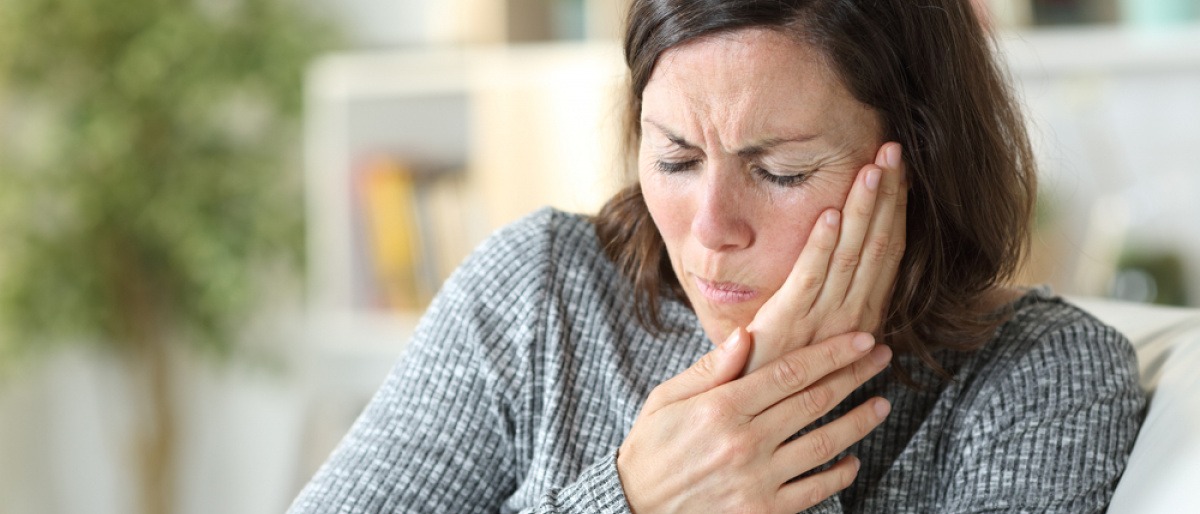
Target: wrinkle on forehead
x=734 y=89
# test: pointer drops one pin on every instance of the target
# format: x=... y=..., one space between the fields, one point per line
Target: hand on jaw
x=842 y=280
x=716 y=437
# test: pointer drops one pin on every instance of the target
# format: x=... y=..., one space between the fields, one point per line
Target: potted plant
x=149 y=182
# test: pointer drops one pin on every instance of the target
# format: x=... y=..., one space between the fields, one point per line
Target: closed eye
x=675 y=167
x=781 y=180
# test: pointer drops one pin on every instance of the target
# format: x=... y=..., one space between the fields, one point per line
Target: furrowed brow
x=671 y=136
x=751 y=151
x=762 y=147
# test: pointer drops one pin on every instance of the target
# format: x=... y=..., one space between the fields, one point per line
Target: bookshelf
x=499 y=130
x=505 y=129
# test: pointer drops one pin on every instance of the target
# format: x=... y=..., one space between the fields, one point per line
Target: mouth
x=724 y=292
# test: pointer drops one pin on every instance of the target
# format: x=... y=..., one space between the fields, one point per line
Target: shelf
x=518 y=127
x=535 y=125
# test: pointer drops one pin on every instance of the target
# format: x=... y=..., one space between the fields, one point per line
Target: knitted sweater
x=529 y=368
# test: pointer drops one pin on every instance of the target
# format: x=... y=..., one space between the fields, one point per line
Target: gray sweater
x=526 y=373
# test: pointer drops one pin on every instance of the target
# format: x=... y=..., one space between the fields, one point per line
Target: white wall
x=1115 y=119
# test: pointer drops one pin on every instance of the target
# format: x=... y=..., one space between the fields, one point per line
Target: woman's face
x=746 y=138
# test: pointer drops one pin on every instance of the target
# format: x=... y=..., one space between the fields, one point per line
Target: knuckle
x=878 y=248
x=826 y=243
x=829 y=355
x=714 y=411
x=817 y=400
x=845 y=261
x=790 y=373
x=811 y=281
x=706 y=366
x=864 y=210
x=821 y=444
x=735 y=451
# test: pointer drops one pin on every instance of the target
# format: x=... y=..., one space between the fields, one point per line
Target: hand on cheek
x=718 y=436
x=842 y=280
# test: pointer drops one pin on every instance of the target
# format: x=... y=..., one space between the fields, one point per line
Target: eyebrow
x=750 y=151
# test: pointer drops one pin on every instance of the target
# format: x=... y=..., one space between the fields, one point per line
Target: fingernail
x=832 y=217
x=873 y=178
x=882 y=408
x=893 y=156
x=732 y=341
x=863 y=342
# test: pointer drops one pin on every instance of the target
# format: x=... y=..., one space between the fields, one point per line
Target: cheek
x=782 y=238
x=669 y=208
x=784 y=229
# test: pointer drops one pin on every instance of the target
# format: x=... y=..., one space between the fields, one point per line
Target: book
x=391 y=236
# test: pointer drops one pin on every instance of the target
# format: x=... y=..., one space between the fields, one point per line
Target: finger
x=798 y=369
x=856 y=219
x=716 y=367
x=881 y=294
x=823 y=444
x=785 y=418
x=881 y=241
x=811 y=267
x=796 y=296
x=809 y=491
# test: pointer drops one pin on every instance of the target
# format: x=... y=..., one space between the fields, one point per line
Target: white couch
x=1164 y=471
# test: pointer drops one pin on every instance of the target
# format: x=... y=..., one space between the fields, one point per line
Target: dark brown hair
x=927 y=68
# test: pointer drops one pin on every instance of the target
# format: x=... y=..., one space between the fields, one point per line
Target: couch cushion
x=1153 y=329
x=1163 y=475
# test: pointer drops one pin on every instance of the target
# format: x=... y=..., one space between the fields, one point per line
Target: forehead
x=749 y=80
x=764 y=51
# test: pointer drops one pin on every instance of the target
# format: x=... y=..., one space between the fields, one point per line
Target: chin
x=718 y=321
x=718 y=329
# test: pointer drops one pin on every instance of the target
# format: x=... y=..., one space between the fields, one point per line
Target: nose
x=721 y=221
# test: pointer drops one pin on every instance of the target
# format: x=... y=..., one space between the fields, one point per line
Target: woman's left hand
x=842 y=281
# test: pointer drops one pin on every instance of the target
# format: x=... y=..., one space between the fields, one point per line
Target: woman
x=820 y=184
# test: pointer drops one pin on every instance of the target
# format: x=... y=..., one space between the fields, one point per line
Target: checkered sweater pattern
x=529 y=368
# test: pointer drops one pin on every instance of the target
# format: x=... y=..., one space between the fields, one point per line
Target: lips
x=724 y=292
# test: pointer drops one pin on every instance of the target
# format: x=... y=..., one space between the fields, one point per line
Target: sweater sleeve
x=597 y=491
x=439 y=434
x=1053 y=429
x=436 y=436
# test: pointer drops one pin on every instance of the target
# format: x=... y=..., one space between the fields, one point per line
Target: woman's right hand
x=709 y=441
x=842 y=281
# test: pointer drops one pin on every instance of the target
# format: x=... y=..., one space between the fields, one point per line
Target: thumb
x=719 y=366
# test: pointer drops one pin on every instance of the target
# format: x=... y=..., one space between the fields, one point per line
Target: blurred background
x=220 y=219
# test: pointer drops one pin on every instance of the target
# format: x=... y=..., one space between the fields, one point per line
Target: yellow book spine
x=389 y=206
